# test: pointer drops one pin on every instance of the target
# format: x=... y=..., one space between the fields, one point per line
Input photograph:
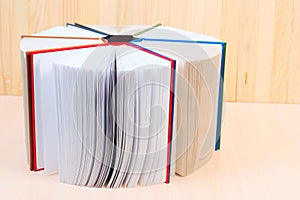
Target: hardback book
x=120 y=106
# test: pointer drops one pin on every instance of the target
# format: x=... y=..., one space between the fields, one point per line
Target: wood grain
x=11 y=26
x=230 y=34
x=293 y=95
x=282 y=50
x=247 y=50
x=262 y=36
x=262 y=82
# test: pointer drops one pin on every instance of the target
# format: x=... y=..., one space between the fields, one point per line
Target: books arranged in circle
x=121 y=106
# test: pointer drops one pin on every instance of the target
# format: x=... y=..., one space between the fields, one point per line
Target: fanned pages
x=109 y=106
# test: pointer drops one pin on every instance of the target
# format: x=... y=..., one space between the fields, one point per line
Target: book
x=120 y=106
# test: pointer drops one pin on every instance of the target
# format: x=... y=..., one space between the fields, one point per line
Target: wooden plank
x=5 y=56
x=294 y=69
x=160 y=12
x=70 y=11
x=54 y=13
x=178 y=13
x=44 y=14
x=247 y=50
x=108 y=12
x=262 y=82
x=135 y=12
x=213 y=18
x=19 y=20
x=262 y=56
x=229 y=34
x=13 y=23
x=195 y=15
x=282 y=49
x=88 y=11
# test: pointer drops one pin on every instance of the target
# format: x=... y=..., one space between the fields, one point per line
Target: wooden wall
x=263 y=36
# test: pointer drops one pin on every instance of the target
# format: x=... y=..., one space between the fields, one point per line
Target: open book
x=121 y=106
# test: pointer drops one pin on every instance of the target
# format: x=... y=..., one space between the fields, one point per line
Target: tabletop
x=259 y=159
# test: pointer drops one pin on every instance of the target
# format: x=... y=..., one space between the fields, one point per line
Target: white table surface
x=259 y=159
